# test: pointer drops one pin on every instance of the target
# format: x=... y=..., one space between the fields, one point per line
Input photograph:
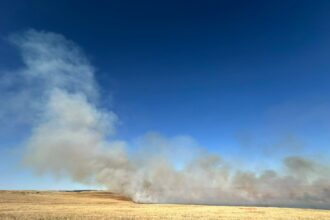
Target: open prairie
x=107 y=205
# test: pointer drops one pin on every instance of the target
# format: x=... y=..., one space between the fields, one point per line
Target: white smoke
x=72 y=136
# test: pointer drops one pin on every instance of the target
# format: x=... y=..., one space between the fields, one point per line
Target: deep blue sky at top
x=225 y=72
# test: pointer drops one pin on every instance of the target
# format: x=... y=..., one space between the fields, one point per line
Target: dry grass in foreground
x=106 y=205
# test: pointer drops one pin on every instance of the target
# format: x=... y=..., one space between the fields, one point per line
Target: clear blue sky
x=239 y=76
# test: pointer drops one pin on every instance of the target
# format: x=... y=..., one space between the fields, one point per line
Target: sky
x=244 y=78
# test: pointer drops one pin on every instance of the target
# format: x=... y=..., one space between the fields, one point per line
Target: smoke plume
x=73 y=136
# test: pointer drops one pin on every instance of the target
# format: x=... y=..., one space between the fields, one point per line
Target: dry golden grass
x=106 y=205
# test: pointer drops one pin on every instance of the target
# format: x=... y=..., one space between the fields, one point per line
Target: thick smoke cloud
x=72 y=136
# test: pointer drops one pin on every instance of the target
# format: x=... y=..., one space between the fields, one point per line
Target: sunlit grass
x=105 y=205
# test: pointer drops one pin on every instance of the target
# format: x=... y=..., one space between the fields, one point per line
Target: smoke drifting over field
x=73 y=136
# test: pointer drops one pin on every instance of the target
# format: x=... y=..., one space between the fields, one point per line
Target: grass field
x=106 y=205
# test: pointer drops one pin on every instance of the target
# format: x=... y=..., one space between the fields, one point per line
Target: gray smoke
x=72 y=136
